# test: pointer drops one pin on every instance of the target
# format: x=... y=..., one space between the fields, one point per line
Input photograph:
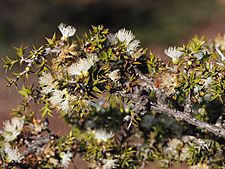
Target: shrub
x=126 y=106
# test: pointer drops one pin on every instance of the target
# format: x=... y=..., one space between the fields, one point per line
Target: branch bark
x=161 y=107
x=217 y=130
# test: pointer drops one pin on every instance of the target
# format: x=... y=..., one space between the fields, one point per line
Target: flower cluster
x=33 y=145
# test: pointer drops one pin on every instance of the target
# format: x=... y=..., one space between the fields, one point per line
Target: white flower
x=133 y=46
x=173 y=53
x=67 y=31
x=66 y=158
x=125 y=36
x=65 y=106
x=13 y=129
x=102 y=135
x=45 y=79
x=112 y=39
x=128 y=38
x=47 y=83
x=109 y=164
x=47 y=89
x=12 y=154
x=57 y=97
x=199 y=55
x=82 y=66
x=114 y=75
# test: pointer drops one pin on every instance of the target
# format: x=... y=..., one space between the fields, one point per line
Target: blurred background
x=154 y=22
x=158 y=24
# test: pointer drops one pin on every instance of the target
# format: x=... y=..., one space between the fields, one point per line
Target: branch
x=161 y=106
x=217 y=130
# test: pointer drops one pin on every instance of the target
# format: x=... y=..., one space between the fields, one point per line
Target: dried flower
x=167 y=81
x=67 y=31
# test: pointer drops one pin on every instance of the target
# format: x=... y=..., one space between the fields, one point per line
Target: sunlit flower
x=45 y=79
x=12 y=129
x=114 y=75
x=57 y=97
x=47 y=83
x=82 y=66
x=109 y=164
x=65 y=106
x=133 y=46
x=12 y=154
x=125 y=36
x=102 y=135
x=173 y=53
x=67 y=31
x=66 y=158
x=128 y=38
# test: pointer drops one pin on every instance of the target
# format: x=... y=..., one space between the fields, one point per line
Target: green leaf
x=97 y=89
x=25 y=92
x=20 y=51
x=46 y=111
x=9 y=63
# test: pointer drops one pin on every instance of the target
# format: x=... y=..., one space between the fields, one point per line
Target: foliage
x=126 y=107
